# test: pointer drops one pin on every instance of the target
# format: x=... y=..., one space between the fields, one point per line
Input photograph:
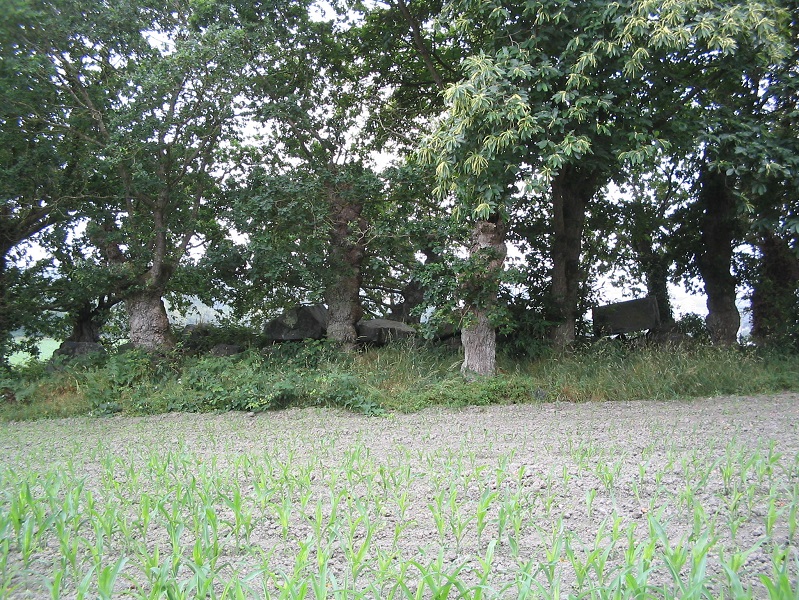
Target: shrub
x=401 y=377
x=256 y=382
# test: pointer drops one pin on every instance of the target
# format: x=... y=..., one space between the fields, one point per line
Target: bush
x=279 y=379
x=124 y=377
x=402 y=377
x=695 y=327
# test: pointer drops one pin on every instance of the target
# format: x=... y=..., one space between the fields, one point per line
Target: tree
x=82 y=285
x=42 y=164
x=774 y=297
x=773 y=181
x=719 y=228
x=645 y=221
x=414 y=238
x=410 y=55
x=317 y=217
x=148 y=97
x=720 y=59
x=538 y=102
x=305 y=92
x=566 y=93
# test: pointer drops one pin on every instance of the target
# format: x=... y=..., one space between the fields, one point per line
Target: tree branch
x=421 y=47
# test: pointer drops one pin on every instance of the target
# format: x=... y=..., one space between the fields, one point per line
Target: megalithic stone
x=626 y=317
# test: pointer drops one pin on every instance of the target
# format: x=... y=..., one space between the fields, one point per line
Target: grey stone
x=73 y=349
x=382 y=331
x=626 y=317
x=299 y=323
x=225 y=350
x=669 y=336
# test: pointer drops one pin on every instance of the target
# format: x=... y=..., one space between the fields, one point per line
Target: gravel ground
x=577 y=469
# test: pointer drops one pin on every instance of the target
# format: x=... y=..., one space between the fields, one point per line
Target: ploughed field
x=675 y=499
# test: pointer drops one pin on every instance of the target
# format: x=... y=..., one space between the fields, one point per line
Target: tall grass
x=613 y=373
x=404 y=377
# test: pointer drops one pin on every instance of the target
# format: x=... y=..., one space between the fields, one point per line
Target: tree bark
x=85 y=325
x=479 y=341
x=572 y=190
x=774 y=300
x=6 y=327
x=487 y=253
x=718 y=225
x=344 y=310
x=149 y=323
x=88 y=319
x=656 y=269
x=347 y=251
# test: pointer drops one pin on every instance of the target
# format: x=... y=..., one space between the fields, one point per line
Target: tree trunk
x=718 y=226
x=149 y=323
x=347 y=251
x=572 y=190
x=656 y=269
x=6 y=327
x=774 y=300
x=344 y=310
x=479 y=341
x=487 y=254
x=86 y=325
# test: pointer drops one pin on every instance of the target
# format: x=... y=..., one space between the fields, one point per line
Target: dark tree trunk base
x=149 y=323
x=86 y=325
x=718 y=226
x=572 y=190
x=480 y=348
x=344 y=311
x=480 y=293
x=723 y=323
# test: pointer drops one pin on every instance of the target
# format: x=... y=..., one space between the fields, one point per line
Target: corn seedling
x=483 y=506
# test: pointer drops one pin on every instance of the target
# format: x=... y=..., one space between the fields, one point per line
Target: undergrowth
x=403 y=377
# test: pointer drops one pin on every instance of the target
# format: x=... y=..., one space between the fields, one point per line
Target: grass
x=400 y=378
x=315 y=513
x=410 y=380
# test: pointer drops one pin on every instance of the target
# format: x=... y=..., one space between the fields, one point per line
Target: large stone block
x=382 y=331
x=299 y=323
x=73 y=349
x=626 y=317
x=225 y=350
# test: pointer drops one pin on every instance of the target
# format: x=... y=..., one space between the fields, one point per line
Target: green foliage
x=125 y=374
x=202 y=337
x=457 y=392
x=525 y=334
x=137 y=382
x=335 y=388
x=694 y=326
x=133 y=103
x=259 y=382
x=240 y=384
x=403 y=377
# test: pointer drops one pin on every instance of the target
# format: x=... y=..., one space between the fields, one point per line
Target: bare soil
x=632 y=459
